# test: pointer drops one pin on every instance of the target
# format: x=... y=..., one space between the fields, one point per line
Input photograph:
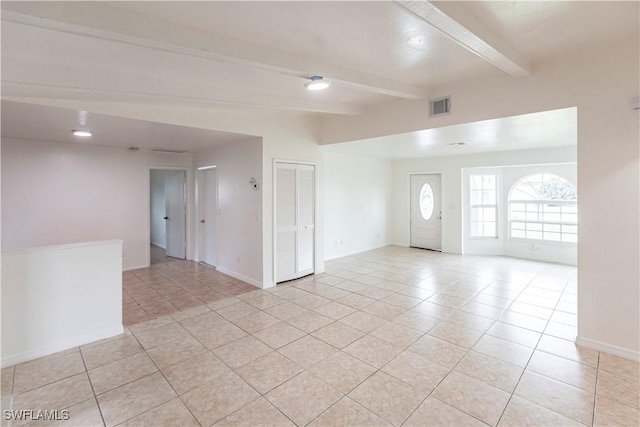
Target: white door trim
x=442 y=206
x=274 y=230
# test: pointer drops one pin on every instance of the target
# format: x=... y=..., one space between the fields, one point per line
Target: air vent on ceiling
x=439 y=106
x=162 y=150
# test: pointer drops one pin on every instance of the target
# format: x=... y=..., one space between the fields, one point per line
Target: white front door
x=209 y=216
x=426 y=214
x=295 y=220
x=175 y=217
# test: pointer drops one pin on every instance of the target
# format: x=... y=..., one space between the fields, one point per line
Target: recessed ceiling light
x=457 y=144
x=317 y=83
x=82 y=133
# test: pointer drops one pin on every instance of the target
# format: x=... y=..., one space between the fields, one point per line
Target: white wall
x=450 y=169
x=600 y=83
x=507 y=178
x=54 y=193
x=356 y=204
x=58 y=297
x=158 y=209
x=240 y=207
x=285 y=136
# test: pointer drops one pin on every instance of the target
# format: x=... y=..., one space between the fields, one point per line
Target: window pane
x=475 y=182
x=554 y=228
x=534 y=226
x=489 y=229
x=532 y=216
x=535 y=235
x=489 y=197
x=489 y=214
x=518 y=234
x=552 y=236
x=552 y=217
x=570 y=238
x=426 y=201
x=476 y=214
x=476 y=197
x=483 y=193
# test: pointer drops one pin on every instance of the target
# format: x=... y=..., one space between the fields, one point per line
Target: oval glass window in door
x=426 y=201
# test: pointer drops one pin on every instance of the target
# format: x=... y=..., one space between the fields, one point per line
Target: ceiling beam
x=105 y=22
x=456 y=22
x=223 y=97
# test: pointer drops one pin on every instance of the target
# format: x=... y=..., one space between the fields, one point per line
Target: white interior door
x=295 y=220
x=209 y=216
x=426 y=214
x=175 y=218
x=306 y=217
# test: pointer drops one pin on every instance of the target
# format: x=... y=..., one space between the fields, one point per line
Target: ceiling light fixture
x=82 y=133
x=317 y=83
x=457 y=144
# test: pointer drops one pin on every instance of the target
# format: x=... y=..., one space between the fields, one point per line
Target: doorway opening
x=168 y=219
x=207 y=196
x=426 y=213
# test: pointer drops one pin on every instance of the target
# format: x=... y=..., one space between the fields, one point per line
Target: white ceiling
x=545 y=129
x=43 y=123
x=256 y=56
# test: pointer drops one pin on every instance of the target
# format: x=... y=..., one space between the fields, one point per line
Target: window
x=426 y=202
x=543 y=207
x=483 y=201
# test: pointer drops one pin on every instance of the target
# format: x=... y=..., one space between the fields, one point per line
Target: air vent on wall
x=439 y=106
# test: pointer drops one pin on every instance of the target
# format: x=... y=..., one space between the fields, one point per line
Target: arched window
x=544 y=207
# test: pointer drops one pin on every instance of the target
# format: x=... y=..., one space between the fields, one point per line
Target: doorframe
x=443 y=217
x=274 y=229
x=188 y=211
x=199 y=210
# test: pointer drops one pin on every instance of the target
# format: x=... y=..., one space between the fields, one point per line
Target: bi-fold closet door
x=295 y=220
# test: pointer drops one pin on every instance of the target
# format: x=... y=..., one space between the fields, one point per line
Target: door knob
x=166 y=217
x=202 y=221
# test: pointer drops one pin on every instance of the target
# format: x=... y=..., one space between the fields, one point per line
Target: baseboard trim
x=239 y=276
x=356 y=252
x=135 y=267
x=608 y=348
x=61 y=346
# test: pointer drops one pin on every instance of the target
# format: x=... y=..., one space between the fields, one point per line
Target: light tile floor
x=172 y=285
x=394 y=336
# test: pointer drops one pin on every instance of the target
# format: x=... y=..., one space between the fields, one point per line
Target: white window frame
x=540 y=212
x=483 y=205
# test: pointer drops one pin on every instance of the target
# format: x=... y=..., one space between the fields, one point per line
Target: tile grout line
x=595 y=393
x=529 y=361
x=95 y=397
x=145 y=376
